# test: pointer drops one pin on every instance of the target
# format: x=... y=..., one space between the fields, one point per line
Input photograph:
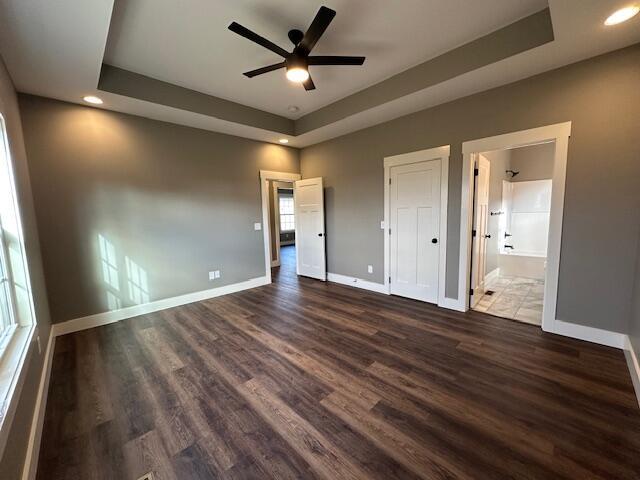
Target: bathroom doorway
x=512 y=206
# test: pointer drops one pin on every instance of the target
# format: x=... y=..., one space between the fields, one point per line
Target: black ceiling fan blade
x=308 y=84
x=335 y=60
x=316 y=29
x=254 y=37
x=267 y=69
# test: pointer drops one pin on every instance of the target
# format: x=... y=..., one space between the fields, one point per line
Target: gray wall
x=500 y=161
x=602 y=99
x=175 y=200
x=534 y=162
x=14 y=455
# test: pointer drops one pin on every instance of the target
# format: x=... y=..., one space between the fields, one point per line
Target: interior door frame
x=265 y=176
x=437 y=153
x=558 y=133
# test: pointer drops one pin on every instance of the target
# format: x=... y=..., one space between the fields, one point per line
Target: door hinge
x=389 y=231
x=475 y=172
x=389 y=279
x=473 y=233
x=389 y=181
x=471 y=291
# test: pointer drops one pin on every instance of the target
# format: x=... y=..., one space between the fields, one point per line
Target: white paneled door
x=310 y=235
x=415 y=230
x=480 y=227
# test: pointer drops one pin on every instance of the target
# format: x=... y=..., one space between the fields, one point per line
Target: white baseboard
x=105 y=318
x=452 y=304
x=357 y=282
x=492 y=275
x=35 y=435
x=590 y=334
x=634 y=367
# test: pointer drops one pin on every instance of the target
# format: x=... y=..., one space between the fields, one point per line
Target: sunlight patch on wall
x=137 y=282
x=109 y=263
x=117 y=272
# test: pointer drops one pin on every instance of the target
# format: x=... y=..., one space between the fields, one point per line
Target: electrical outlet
x=257 y=226
x=212 y=275
x=382 y=224
x=216 y=274
x=370 y=268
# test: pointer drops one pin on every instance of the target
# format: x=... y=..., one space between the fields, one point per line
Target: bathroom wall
x=534 y=162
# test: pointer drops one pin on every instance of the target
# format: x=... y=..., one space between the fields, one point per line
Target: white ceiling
x=192 y=47
x=55 y=49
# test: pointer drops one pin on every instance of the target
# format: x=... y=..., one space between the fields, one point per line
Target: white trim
x=265 y=176
x=492 y=275
x=451 y=304
x=276 y=225
x=105 y=318
x=589 y=334
x=634 y=367
x=441 y=153
x=559 y=133
x=357 y=283
x=35 y=436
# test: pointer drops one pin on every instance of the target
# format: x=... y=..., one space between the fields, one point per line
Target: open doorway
x=512 y=206
x=531 y=244
x=293 y=219
x=282 y=226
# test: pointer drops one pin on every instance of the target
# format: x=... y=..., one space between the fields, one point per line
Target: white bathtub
x=519 y=264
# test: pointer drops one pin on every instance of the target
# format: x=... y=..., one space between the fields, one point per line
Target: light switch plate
x=382 y=224
x=257 y=226
x=370 y=268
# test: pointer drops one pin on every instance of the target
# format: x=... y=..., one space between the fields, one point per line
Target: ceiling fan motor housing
x=296 y=61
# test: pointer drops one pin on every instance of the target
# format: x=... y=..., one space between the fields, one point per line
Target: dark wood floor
x=304 y=379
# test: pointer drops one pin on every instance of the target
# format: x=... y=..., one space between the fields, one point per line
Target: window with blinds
x=287 y=214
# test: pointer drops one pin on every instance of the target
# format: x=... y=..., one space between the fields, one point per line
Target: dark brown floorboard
x=305 y=379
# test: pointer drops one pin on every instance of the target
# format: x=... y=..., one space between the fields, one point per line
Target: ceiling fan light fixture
x=297 y=74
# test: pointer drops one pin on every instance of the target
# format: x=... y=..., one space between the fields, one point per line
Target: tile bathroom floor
x=517 y=298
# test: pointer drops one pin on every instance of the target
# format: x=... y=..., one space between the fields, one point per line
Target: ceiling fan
x=298 y=60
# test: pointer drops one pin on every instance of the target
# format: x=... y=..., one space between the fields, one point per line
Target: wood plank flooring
x=312 y=380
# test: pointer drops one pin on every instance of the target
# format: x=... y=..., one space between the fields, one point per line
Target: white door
x=480 y=227
x=414 y=209
x=310 y=237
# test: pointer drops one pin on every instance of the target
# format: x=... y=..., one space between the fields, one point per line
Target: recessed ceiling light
x=283 y=140
x=297 y=74
x=622 y=15
x=93 y=99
